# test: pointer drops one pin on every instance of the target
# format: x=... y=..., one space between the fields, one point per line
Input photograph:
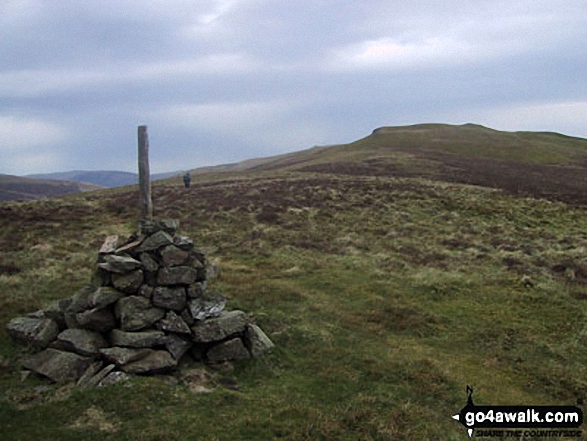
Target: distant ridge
x=16 y=188
x=539 y=164
x=104 y=178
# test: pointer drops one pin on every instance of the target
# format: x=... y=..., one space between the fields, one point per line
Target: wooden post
x=144 y=178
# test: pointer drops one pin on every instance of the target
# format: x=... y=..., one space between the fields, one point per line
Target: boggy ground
x=385 y=297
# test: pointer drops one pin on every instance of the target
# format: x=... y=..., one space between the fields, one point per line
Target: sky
x=219 y=81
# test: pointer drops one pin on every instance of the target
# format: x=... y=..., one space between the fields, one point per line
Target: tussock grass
x=385 y=298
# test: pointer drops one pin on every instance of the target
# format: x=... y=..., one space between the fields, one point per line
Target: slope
x=103 y=178
x=546 y=165
x=385 y=296
x=16 y=188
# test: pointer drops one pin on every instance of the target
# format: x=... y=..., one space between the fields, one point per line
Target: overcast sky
x=219 y=81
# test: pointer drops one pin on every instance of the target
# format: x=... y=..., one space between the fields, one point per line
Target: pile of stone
x=147 y=308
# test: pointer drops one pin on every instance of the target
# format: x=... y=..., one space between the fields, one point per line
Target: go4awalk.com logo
x=520 y=421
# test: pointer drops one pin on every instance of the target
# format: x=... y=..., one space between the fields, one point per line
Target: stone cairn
x=147 y=307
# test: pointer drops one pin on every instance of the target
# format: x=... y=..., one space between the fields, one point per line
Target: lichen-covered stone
x=56 y=311
x=256 y=340
x=183 y=242
x=89 y=373
x=122 y=356
x=146 y=291
x=114 y=378
x=96 y=319
x=109 y=245
x=177 y=275
x=196 y=290
x=105 y=296
x=173 y=323
x=82 y=299
x=80 y=341
x=58 y=365
x=119 y=264
x=154 y=362
x=211 y=305
x=140 y=339
x=149 y=262
x=148 y=226
x=136 y=313
x=216 y=329
x=173 y=256
x=98 y=377
x=169 y=298
x=34 y=332
x=128 y=283
x=155 y=241
x=177 y=346
x=230 y=350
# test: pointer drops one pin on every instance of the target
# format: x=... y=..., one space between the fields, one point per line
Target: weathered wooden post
x=144 y=178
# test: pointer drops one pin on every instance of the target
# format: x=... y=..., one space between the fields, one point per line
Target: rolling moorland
x=16 y=188
x=102 y=178
x=390 y=272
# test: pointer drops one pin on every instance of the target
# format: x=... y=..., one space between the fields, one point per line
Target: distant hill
x=104 y=178
x=16 y=188
x=542 y=164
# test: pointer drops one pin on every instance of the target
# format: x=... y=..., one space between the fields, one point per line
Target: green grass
x=385 y=298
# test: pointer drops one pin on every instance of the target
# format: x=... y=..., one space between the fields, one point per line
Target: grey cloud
x=92 y=71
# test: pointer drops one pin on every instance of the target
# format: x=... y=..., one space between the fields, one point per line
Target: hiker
x=187 y=179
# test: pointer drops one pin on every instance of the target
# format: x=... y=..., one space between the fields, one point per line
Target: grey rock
x=200 y=256
x=183 y=242
x=155 y=241
x=96 y=378
x=230 y=350
x=101 y=277
x=119 y=264
x=173 y=256
x=130 y=245
x=40 y=314
x=186 y=316
x=122 y=356
x=155 y=362
x=109 y=245
x=196 y=290
x=99 y=320
x=148 y=226
x=56 y=311
x=256 y=340
x=36 y=333
x=177 y=346
x=194 y=262
x=89 y=373
x=82 y=299
x=105 y=296
x=71 y=320
x=128 y=283
x=212 y=305
x=114 y=378
x=144 y=339
x=146 y=291
x=80 y=341
x=169 y=298
x=149 y=262
x=173 y=323
x=58 y=365
x=216 y=329
x=136 y=313
x=177 y=275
